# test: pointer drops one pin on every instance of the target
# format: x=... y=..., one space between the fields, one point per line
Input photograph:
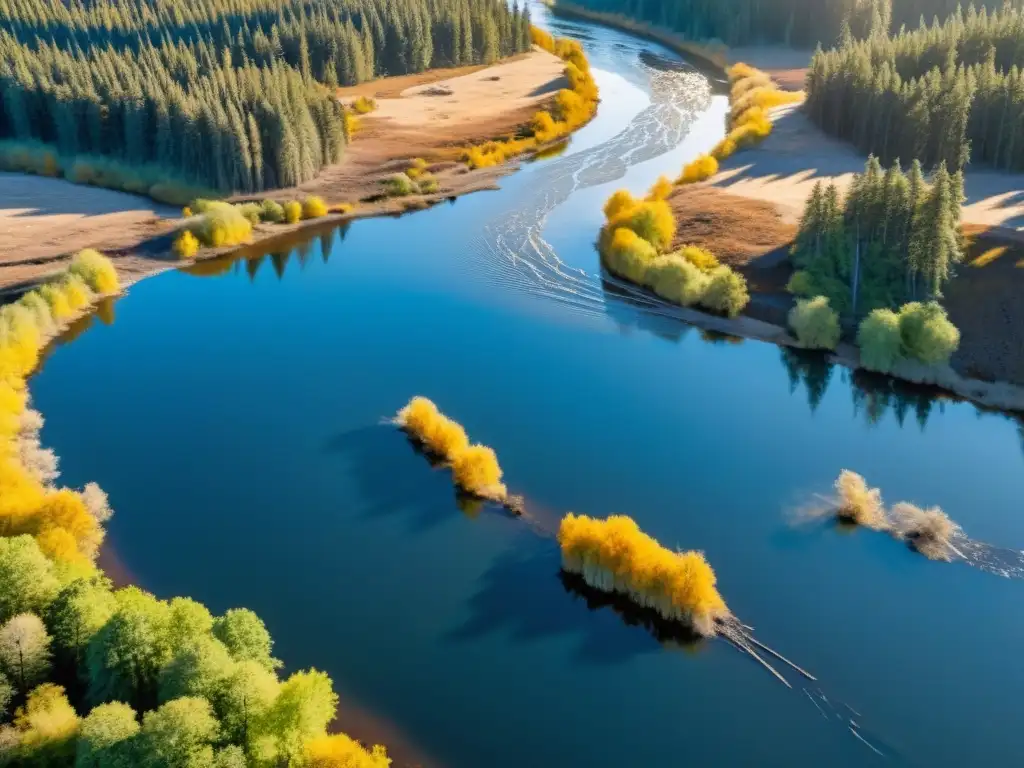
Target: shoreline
x=714 y=59
x=998 y=396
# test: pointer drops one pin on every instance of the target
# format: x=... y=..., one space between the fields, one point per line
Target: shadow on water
x=392 y=480
x=523 y=595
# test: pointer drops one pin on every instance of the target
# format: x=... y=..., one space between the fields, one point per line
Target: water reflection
x=523 y=596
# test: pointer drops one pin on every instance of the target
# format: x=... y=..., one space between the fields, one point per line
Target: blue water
x=236 y=422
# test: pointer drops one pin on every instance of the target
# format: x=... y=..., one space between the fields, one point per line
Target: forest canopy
x=948 y=92
x=791 y=22
x=221 y=93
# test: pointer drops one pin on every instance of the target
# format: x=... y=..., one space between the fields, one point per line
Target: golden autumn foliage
x=292 y=212
x=661 y=189
x=614 y=555
x=313 y=207
x=633 y=245
x=340 y=751
x=186 y=245
x=61 y=520
x=475 y=468
x=752 y=94
x=702 y=168
x=573 y=107
x=364 y=105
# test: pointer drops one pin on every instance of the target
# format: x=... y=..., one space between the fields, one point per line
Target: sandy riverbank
x=44 y=221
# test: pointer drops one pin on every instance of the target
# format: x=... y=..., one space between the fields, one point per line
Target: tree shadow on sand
x=394 y=479
x=526 y=596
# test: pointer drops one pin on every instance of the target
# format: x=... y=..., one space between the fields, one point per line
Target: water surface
x=235 y=419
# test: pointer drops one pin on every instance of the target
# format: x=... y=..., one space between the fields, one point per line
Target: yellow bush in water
x=475 y=468
x=186 y=245
x=704 y=167
x=313 y=207
x=614 y=555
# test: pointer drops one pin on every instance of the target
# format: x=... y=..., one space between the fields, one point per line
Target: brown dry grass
x=740 y=231
x=986 y=302
x=44 y=221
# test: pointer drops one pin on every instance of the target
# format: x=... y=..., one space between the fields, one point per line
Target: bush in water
x=880 y=342
x=929 y=531
x=927 y=334
x=475 y=468
x=815 y=323
x=859 y=504
x=614 y=555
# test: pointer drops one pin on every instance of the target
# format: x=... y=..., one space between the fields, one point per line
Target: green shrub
x=272 y=212
x=801 y=284
x=313 y=207
x=726 y=292
x=677 y=280
x=628 y=255
x=815 y=323
x=927 y=334
x=292 y=211
x=879 y=340
x=427 y=184
x=252 y=211
x=398 y=185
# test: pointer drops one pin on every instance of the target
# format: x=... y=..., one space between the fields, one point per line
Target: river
x=235 y=414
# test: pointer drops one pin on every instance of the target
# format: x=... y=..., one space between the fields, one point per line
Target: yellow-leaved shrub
x=702 y=168
x=573 y=107
x=614 y=555
x=61 y=520
x=475 y=468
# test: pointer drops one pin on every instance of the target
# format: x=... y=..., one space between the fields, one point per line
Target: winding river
x=234 y=413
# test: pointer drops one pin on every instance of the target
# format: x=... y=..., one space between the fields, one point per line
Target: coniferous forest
x=948 y=92
x=895 y=238
x=229 y=94
x=790 y=22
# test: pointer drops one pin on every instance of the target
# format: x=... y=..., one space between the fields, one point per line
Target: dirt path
x=432 y=115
